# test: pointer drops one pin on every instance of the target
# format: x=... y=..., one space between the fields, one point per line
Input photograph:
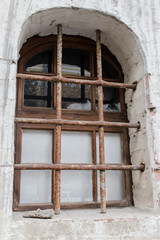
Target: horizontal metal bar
x=46 y=166
x=78 y=123
x=77 y=81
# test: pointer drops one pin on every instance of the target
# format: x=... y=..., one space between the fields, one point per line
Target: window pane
x=110 y=99
x=36 y=184
x=37 y=93
x=113 y=155
x=76 y=96
x=75 y=62
x=76 y=186
x=108 y=71
x=36 y=146
x=42 y=62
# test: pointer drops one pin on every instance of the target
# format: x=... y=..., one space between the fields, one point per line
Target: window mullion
x=58 y=116
x=101 y=118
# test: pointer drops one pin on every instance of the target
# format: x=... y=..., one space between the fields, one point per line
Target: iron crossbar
x=78 y=123
x=47 y=166
x=99 y=82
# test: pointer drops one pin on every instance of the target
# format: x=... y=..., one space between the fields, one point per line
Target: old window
x=71 y=126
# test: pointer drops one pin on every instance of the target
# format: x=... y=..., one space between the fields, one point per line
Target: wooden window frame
x=92 y=121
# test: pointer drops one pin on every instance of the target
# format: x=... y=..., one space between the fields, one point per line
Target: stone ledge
x=122 y=223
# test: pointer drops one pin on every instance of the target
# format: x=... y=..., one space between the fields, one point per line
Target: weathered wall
x=130 y=29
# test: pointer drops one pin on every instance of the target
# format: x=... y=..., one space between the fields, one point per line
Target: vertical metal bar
x=101 y=117
x=53 y=171
x=58 y=115
x=93 y=100
x=93 y=107
x=54 y=71
x=94 y=172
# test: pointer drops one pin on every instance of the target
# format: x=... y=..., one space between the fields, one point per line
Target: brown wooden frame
x=71 y=120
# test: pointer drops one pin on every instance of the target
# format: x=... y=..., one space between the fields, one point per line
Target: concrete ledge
x=122 y=223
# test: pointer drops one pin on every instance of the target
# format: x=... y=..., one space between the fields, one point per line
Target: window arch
x=68 y=107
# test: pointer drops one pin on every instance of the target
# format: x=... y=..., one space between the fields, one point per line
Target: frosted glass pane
x=113 y=155
x=36 y=146
x=112 y=147
x=76 y=147
x=35 y=186
x=76 y=186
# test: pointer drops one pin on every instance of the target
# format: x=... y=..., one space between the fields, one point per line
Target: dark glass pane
x=110 y=99
x=37 y=93
x=75 y=62
x=108 y=71
x=76 y=96
x=42 y=62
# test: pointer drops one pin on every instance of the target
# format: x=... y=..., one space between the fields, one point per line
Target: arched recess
x=124 y=44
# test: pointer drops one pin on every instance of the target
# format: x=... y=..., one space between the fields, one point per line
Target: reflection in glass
x=76 y=96
x=110 y=99
x=37 y=93
x=41 y=62
x=75 y=62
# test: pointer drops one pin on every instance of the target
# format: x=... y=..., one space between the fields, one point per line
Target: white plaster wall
x=131 y=30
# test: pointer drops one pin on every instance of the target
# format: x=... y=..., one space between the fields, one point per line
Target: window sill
x=112 y=214
x=129 y=222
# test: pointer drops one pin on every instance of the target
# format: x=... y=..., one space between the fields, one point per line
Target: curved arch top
x=120 y=40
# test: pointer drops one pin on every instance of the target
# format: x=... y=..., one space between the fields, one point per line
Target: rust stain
x=52 y=23
x=62 y=79
x=153 y=113
x=109 y=220
x=147 y=81
x=58 y=115
x=157 y=174
x=155 y=157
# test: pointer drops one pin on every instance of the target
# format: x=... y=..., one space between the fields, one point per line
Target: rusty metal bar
x=58 y=116
x=92 y=82
x=101 y=118
x=64 y=166
x=77 y=123
x=94 y=172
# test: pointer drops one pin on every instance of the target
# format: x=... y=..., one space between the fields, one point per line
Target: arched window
x=71 y=126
